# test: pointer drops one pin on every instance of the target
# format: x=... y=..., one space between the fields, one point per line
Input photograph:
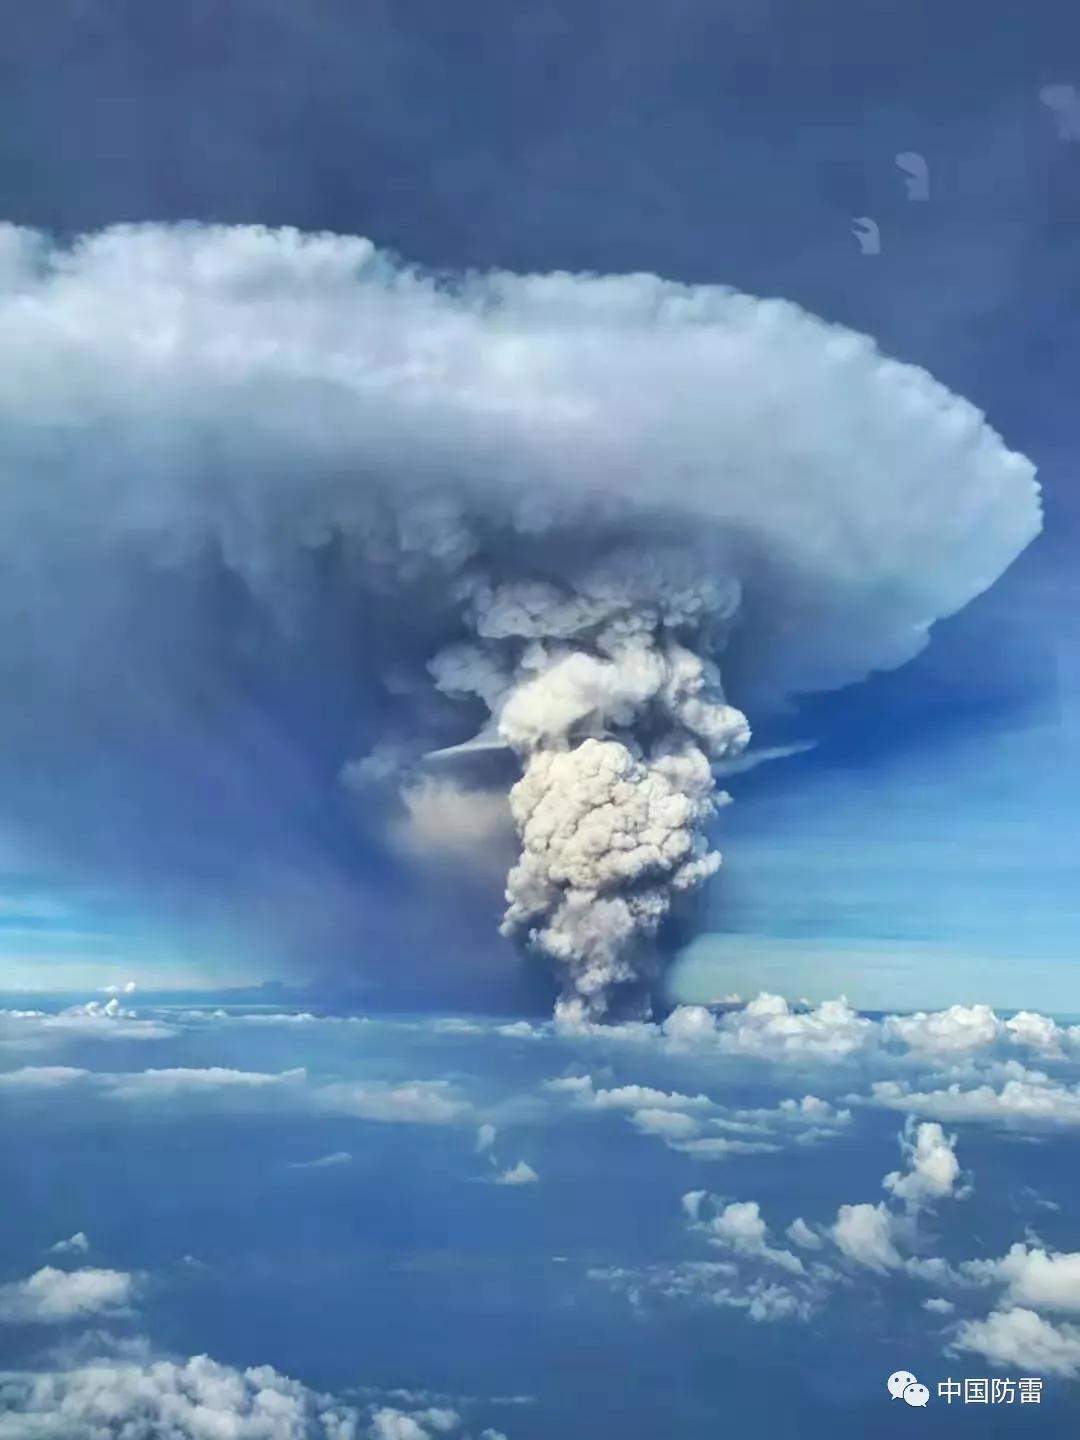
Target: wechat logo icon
x=902 y=1385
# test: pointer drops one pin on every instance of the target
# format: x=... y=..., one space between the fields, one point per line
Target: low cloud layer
x=508 y=1112
x=773 y=1283
x=188 y=1400
x=126 y=1389
x=411 y=1102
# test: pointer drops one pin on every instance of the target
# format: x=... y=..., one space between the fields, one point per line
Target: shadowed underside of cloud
x=282 y=511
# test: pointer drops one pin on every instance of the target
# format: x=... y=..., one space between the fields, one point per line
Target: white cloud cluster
x=1040 y=1033
x=423 y=1102
x=42 y=1077
x=95 y=1020
x=589 y=479
x=965 y=1041
x=146 y=1085
x=183 y=1081
x=684 y=1122
x=1033 y=1324
x=1029 y=1099
x=1021 y=1339
x=780 y=1287
x=196 y=1399
x=129 y=1393
x=77 y=1244
x=624 y=1097
x=962 y=1030
x=719 y=1147
x=1036 y=1278
x=670 y=1125
x=959 y=1029
x=739 y=1227
x=53 y=1297
x=870 y=1237
x=765 y=1301
x=960 y=1039
x=865 y=1234
x=938 y=1305
x=389 y=1423
x=666 y=1115
x=808 y=1121
x=771 y=1029
x=799 y=1233
x=99 y=1010
x=933 y=1168
x=519 y=1174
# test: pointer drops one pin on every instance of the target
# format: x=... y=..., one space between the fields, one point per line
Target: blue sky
x=932 y=826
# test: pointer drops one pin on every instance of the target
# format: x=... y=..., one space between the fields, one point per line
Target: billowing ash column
x=605 y=690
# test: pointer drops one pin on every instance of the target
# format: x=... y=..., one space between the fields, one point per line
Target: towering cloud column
x=601 y=690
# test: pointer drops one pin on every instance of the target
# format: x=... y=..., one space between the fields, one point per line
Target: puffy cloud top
x=52 y=1297
x=195 y=1399
x=933 y=1166
x=260 y=381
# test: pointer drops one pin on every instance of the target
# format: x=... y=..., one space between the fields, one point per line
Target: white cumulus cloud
x=801 y=1234
x=739 y=1226
x=77 y=1244
x=955 y=1031
x=933 y=1168
x=519 y=1174
x=196 y=1399
x=771 y=1029
x=52 y=1297
x=667 y=1124
x=1021 y=1339
x=1035 y=1278
x=1031 y=1100
x=421 y=1102
x=865 y=1234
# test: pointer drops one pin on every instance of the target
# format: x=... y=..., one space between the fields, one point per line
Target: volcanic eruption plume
x=585 y=521
x=607 y=693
